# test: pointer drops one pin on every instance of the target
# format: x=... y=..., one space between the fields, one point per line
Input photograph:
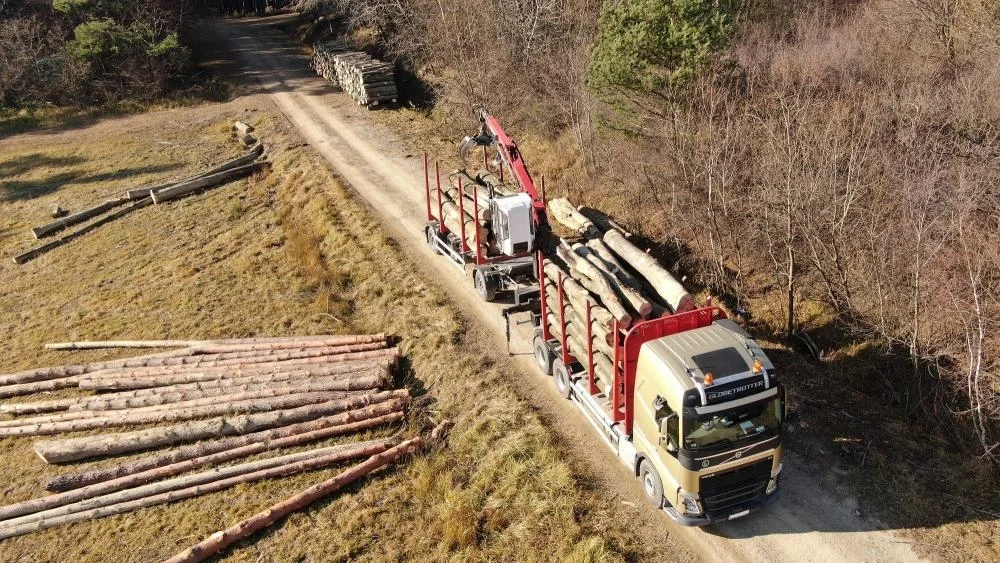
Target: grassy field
x=287 y=253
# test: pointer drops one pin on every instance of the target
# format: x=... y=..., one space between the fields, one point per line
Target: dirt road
x=810 y=522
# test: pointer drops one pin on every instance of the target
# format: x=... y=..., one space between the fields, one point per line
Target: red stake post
x=590 y=351
x=479 y=243
x=617 y=380
x=546 y=335
x=562 y=323
x=437 y=174
x=461 y=216
x=427 y=188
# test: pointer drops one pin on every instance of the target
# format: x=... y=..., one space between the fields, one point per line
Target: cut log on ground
x=38 y=251
x=114 y=419
x=283 y=341
x=242 y=128
x=115 y=503
x=78 y=217
x=251 y=390
x=173 y=411
x=326 y=426
x=73 y=449
x=244 y=160
x=214 y=180
x=233 y=376
x=245 y=528
x=662 y=282
x=42 y=374
x=140 y=478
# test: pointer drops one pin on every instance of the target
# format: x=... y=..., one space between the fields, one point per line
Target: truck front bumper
x=733 y=513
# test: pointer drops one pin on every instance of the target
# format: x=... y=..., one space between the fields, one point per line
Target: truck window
x=738 y=424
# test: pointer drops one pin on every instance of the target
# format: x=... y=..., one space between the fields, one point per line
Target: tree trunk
x=250 y=390
x=73 y=449
x=625 y=291
x=112 y=419
x=79 y=217
x=345 y=421
x=147 y=191
x=595 y=281
x=668 y=288
x=220 y=540
x=127 y=482
x=230 y=377
x=278 y=341
x=578 y=296
x=187 y=487
x=44 y=374
x=158 y=403
x=181 y=190
x=564 y=212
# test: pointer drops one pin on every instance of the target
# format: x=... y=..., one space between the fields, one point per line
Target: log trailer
x=694 y=408
x=503 y=260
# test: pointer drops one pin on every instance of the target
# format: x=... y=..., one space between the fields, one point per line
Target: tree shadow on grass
x=31 y=189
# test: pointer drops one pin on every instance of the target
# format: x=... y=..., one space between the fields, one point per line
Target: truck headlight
x=689 y=503
x=772 y=485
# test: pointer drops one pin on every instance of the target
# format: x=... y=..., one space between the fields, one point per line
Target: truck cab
x=707 y=422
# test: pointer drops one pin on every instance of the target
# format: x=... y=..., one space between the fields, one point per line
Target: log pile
x=603 y=269
x=323 y=62
x=239 y=397
x=368 y=81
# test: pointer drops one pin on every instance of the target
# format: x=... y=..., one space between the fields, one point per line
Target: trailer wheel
x=431 y=235
x=560 y=374
x=543 y=355
x=486 y=286
x=651 y=484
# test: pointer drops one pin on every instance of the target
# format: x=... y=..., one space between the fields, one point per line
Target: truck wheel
x=543 y=355
x=651 y=484
x=431 y=236
x=486 y=286
x=561 y=376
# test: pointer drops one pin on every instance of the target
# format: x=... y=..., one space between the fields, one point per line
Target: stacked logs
x=621 y=284
x=323 y=58
x=369 y=81
x=240 y=397
x=473 y=214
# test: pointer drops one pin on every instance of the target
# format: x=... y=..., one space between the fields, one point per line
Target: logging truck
x=682 y=395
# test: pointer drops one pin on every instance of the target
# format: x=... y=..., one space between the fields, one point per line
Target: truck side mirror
x=667 y=440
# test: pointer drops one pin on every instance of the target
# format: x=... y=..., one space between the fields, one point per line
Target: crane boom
x=491 y=133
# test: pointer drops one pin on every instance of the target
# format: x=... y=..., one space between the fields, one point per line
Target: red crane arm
x=511 y=156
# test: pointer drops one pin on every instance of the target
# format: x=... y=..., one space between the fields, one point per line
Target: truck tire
x=651 y=484
x=543 y=355
x=486 y=286
x=560 y=374
x=431 y=236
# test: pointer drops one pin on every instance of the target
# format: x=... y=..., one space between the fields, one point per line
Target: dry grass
x=298 y=256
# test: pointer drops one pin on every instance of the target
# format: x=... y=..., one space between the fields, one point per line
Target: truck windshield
x=730 y=426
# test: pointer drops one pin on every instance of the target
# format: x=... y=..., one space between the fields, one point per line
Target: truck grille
x=723 y=491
